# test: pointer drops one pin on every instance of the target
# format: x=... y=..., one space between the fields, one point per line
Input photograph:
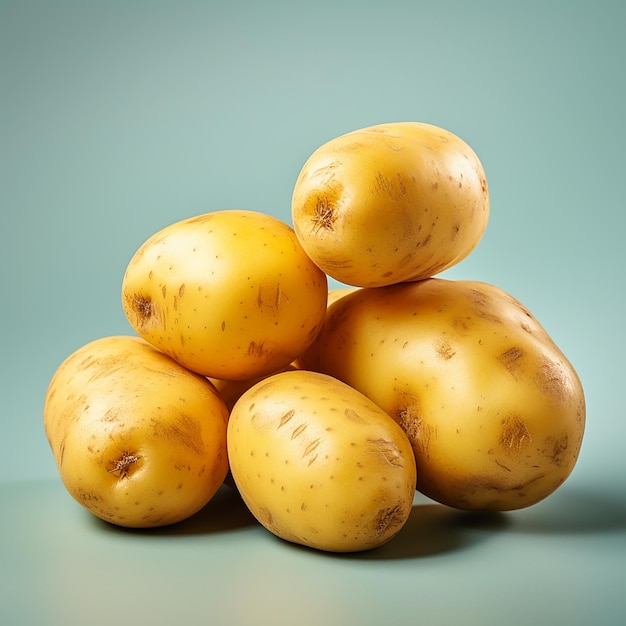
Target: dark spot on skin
x=285 y=418
x=389 y=519
x=388 y=451
x=444 y=350
x=511 y=359
x=298 y=430
x=515 y=434
x=323 y=215
x=256 y=349
x=124 y=465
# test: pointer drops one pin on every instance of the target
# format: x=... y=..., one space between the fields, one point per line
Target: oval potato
x=390 y=203
x=494 y=410
x=138 y=440
x=229 y=294
x=319 y=464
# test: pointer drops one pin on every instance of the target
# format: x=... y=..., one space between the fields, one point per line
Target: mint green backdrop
x=118 y=118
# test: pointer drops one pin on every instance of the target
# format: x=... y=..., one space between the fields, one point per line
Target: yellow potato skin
x=138 y=440
x=494 y=410
x=390 y=203
x=318 y=464
x=228 y=294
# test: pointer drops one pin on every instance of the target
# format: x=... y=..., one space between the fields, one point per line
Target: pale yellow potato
x=494 y=410
x=390 y=203
x=318 y=464
x=138 y=440
x=229 y=294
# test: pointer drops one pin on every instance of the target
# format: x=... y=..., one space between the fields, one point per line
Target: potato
x=318 y=464
x=494 y=410
x=390 y=203
x=228 y=294
x=138 y=440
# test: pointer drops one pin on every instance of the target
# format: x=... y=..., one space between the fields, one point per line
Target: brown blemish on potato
x=419 y=433
x=323 y=215
x=515 y=434
x=84 y=495
x=387 y=450
x=389 y=519
x=285 y=418
x=482 y=305
x=256 y=349
x=147 y=313
x=298 y=430
x=511 y=360
x=552 y=378
x=353 y=416
x=444 y=350
x=183 y=431
x=384 y=186
x=124 y=464
x=310 y=451
x=558 y=448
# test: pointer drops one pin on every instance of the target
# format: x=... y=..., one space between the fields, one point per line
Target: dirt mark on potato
x=353 y=416
x=444 y=350
x=515 y=435
x=147 y=313
x=511 y=359
x=124 y=465
x=387 y=451
x=419 y=433
x=323 y=215
x=389 y=520
x=285 y=418
x=183 y=431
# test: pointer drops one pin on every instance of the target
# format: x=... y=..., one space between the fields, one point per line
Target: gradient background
x=119 y=118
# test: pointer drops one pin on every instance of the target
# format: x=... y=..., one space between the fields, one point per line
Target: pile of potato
x=326 y=410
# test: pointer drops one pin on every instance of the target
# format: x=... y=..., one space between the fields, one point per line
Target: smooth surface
x=561 y=562
x=118 y=118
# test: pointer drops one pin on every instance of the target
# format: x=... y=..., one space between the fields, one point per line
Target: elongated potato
x=138 y=440
x=390 y=203
x=319 y=464
x=494 y=410
x=228 y=294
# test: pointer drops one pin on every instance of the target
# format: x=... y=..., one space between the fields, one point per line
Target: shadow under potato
x=575 y=511
x=226 y=511
x=434 y=529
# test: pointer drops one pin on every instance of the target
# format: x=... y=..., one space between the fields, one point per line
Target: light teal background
x=118 y=118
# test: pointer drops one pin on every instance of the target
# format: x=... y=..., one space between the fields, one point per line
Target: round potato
x=390 y=203
x=493 y=409
x=138 y=440
x=319 y=464
x=228 y=294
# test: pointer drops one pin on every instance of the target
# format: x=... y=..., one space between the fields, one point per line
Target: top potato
x=390 y=203
x=229 y=294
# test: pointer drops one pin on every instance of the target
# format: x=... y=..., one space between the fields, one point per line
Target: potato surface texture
x=229 y=294
x=318 y=464
x=138 y=440
x=493 y=409
x=390 y=203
